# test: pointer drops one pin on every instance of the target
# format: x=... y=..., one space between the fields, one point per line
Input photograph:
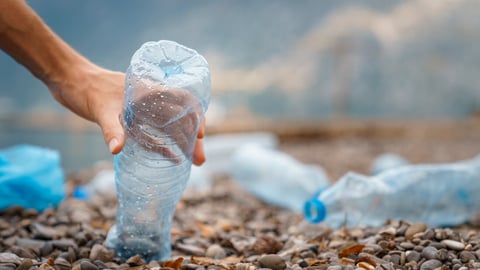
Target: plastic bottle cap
x=315 y=210
x=80 y=193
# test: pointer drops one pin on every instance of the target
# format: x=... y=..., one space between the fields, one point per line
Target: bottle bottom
x=153 y=247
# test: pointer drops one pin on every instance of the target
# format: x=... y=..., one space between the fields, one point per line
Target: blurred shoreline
x=322 y=127
x=81 y=144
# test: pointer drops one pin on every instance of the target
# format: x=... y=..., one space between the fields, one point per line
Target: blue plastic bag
x=30 y=177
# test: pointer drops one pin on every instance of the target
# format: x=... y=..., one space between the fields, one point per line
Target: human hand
x=97 y=94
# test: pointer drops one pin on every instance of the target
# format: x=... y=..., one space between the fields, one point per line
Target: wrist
x=68 y=73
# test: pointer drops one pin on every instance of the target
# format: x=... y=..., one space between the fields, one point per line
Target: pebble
x=191 y=249
x=262 y=237
x=273 y=262
x=266 y=245
x=7 y=266
x=7 y=257
x=30 y=243
x=64 y=244
x=429 y=253
x=40 y=231
x=466 y=256
x=407 y=245
x=455 y=245
x=101 y=253
x=430 y=264
x=414 y=229
x=62 y=264
x=215 y=251
x=86 y=265
x=25 y=265
x=412 y=255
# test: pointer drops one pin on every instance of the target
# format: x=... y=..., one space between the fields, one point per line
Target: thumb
x=112 y=133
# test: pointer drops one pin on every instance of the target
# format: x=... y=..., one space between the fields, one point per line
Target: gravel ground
x=226 y=228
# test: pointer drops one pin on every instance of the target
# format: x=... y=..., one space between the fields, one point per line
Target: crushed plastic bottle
x=275 y=177
x=167 y=93
x=436 y=194
x=31 y=177
x=387 y=161
x=219 y=149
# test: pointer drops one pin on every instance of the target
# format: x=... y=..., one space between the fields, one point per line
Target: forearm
x=25 y=37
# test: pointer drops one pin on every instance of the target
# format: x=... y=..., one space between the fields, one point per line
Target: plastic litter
x=275 y=177
x=166 y=95
x=30 y=177
x=436 y=194
x=387 y=161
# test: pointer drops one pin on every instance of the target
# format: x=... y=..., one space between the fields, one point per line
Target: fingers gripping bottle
x=167 y=91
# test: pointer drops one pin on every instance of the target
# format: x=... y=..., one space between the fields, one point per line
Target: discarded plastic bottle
x=387 y=161
x=167 y=93
x=436 y=194
x=275 y=177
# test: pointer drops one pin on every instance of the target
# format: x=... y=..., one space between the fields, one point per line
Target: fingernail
x=112 y=144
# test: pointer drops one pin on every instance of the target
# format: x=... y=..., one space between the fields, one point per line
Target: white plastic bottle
x=275 y=177
x=436 y=194
x=166 y=95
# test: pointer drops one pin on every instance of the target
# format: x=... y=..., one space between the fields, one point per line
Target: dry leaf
x=224 y=263
x=206 y=231
x=354 y=249
x=175 y=264
x=315 y=262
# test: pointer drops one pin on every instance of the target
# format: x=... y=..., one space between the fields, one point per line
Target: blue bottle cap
x=80 y=193
x=315 y=210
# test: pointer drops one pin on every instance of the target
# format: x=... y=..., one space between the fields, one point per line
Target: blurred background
x=275 y=64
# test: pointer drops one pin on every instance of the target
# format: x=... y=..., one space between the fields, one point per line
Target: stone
x=87 y=265
x=466 y=256
x=42 y=232
x=215 y=251
x=454 y=245
x=101 y=253
x=429 y=253
x=430 y=264
x=62 y=264
x=412 y=255
x=191 y=249
x=266 y=245
x=7 y=257
x=414 y=229
x=7 y=266
x=273 y=262
x=64 y=244
x=25 y=265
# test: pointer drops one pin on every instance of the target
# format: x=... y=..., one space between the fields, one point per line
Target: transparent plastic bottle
x=436 y=194
x=166 y=95
x=387 y=161
x=275 y=177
